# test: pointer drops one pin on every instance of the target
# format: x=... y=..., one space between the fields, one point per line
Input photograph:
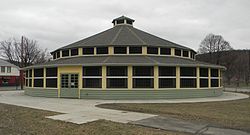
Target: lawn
x=230 y=114
x=16 y=120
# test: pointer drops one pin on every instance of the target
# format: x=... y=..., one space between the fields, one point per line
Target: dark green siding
x=41 y=92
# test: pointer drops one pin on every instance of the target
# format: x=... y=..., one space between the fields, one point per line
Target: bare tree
x=23 y=53
x=214 y=44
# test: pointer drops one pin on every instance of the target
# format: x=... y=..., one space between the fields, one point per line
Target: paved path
x=81 y=111
x=173 y=124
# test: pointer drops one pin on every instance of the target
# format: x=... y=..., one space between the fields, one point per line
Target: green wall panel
x=41 y=92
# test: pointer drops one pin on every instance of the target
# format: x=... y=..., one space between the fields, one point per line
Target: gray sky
x=55 y=23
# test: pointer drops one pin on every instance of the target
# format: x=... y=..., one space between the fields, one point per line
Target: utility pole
x=21 y=64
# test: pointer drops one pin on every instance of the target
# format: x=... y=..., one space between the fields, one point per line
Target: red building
x=9 y=74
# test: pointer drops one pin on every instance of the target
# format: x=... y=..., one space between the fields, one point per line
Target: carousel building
x=124 y=62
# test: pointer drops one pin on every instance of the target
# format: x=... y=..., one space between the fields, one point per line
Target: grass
x=230 y=114
x=16 y=120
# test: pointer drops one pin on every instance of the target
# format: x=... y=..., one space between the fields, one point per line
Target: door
x=69 y=85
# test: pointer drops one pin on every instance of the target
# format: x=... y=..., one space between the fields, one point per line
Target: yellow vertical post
x=130 y=79
x=58 y=81
x=80 y=82
x=80 y=51
x=189 y=54
x=172 y=51
x=69 y=52
x=159 y=50
x=32 y=81
x=111 y=50
x=94 y=50
x=178 y=77
x=219 y=75
x=156 y=74
x=198 y=77
x=127 y=49
x=104 y=74
x=144 y=50
x=181 y=53
x=209 y=77
x=44 y=77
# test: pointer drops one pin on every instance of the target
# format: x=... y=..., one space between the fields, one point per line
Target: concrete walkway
x=81 y=111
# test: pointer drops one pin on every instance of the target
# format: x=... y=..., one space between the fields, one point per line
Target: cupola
x=123 y=20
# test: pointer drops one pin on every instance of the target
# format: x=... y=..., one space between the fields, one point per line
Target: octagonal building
x=123 y=62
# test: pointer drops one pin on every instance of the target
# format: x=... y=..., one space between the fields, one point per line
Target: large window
x=135 y=50
x=2 y=69
x=152 y=50
x=88 y=51
x=120 y=50
x=177 y=52
x=203 y=77
x=165 y=51
x=185 y=53
x=29 y=78
x=51 y=77
x=38 y=77
x=167 y=77
x=74 y=52
x=188 y=77
x=214 y=78
x=92 y=77
x=102 y=50
x=65 y=53
x=143 y=77
x=117 y=77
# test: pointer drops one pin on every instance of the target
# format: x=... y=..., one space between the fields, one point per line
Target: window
x=167 y=71
x=143 y=71
x=143 y=77
x=8 y=69
x=135 y=50
x=177 y=52
x=214 y=78
x=188 y=71
x=165 y=51
x=167 y=82
x=38 y=72
x=185 y=53
x=167 y=77
x=203 y=77
x=88 y=51
x=2 y=69
x=38 y=82
x=129 y=22
x=54 y=55
x=58 y=54
x=92 y=77
x=188 y=77
x=102 y=50
x=192 y=55
x=152 y=50
x=65 y=53
x=120 y=21
x=120 y=50
x=117 y=77
x=74 y=52
x=51 y=77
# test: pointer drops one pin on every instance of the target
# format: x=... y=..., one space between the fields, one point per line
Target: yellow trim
x=69 y=52
x=156 y=74
x=130 y=80
x=61 y=54
x=144 y=50
x=172 y=51
x=79 y=51
x=80 y=83
x=104 y=69
x=32 y=81
x=44 y=77
x=197 y=77
x=127 y=49
x=159 y=50
x=58 y=81
x=189 y=54
x=111 y=50
x=177 y=77
x=94 y=50
x=219 y=75
x=209 y=77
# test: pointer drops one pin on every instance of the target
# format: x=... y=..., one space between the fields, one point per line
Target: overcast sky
x=55 y=23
